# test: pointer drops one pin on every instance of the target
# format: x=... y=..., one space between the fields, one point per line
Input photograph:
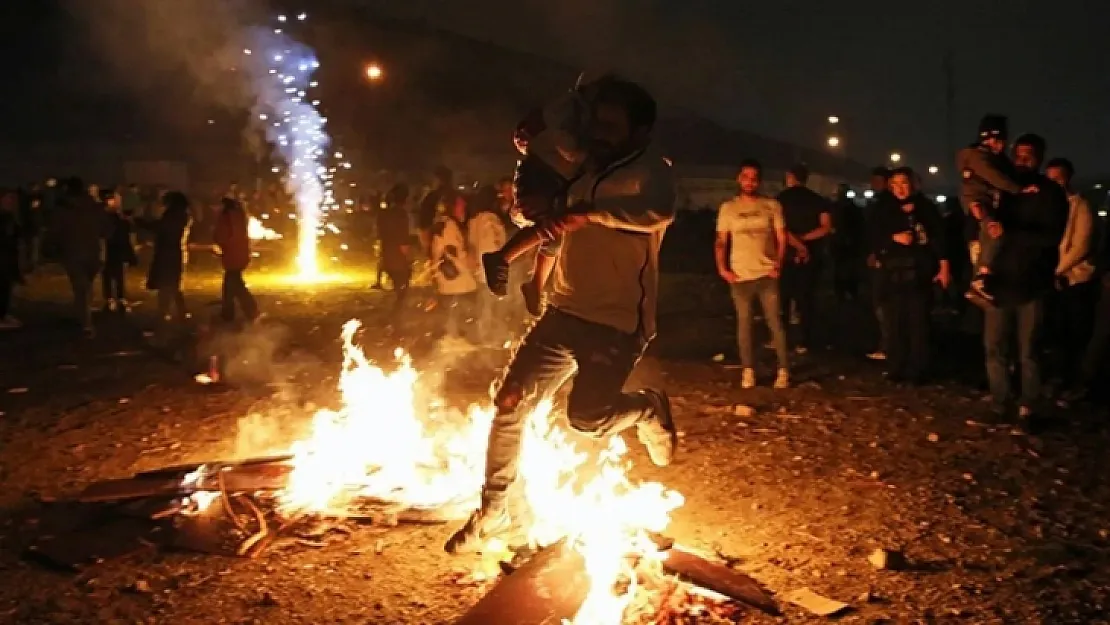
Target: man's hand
x=943 y=277
x=994 y=229
x=728 y=276
x=556 y=226
x=801 y=253
x=903 y=238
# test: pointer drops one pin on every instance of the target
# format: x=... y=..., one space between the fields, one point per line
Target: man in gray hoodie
x=79 y=226
x=601 y=313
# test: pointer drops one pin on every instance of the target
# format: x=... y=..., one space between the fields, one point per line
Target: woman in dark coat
x=171 y=244
x=907 y=235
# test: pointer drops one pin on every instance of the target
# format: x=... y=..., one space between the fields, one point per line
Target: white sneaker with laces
x=747 y=378
x=782 y=380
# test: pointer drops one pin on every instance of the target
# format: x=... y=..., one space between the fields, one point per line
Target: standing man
x=601 y=313
x=880 y=176
x=231 y=235
x=396 y=244
x=80 y=224
x=1076 y=294
x=751 y=225
x=1024 y=269
x=808 y=219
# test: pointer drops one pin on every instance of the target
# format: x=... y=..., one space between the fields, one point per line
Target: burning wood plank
x=718 y=578
x=554 y=583
x=547 y=589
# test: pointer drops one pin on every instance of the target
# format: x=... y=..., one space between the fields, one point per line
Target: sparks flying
x=281 y=72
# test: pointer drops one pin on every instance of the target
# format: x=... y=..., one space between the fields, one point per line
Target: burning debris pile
x=393 y=453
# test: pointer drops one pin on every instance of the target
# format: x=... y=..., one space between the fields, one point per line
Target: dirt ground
x=998 y=526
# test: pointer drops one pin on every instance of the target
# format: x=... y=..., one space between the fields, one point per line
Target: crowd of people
x=1022 y=244
x=591 y=202
x=93 y=233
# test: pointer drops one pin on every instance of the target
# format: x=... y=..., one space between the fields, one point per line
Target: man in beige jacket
x=1072 y=309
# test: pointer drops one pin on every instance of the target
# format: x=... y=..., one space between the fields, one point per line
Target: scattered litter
x=887 y=560
x=141 y=587
x=815 y=603
x=742 y=410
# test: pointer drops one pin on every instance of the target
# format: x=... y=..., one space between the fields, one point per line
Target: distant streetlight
x=869 y=194
x=895 y=157
x=941 y=199
x=851 y=195
x=933 y=169
x=374 y=72
x=834 y=141
x=833 y=119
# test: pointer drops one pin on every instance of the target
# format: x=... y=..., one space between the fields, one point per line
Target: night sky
x=782 y=67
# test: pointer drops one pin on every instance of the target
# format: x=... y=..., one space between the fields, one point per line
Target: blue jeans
x=560 y=347
x=767 y=290
x=999 y=326
x=988 y=247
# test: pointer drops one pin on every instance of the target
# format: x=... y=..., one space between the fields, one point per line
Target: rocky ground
x=798 y=488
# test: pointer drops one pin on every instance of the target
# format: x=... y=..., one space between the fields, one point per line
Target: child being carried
x=987 y=174
x=552 y=141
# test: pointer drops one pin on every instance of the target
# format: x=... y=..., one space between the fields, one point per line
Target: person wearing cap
x=987 y=174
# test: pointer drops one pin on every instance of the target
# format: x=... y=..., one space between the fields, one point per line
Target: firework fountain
x=281 y=73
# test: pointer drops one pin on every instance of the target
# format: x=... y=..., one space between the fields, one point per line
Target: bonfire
x=392 y=448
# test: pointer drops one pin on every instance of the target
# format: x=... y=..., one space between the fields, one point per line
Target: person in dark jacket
x=808 y=219
x=1024 y=272
x=231 y=235
x=80 y=225
x=907 y=236
x=167 y=266
x=118 y=254
x=10 y=274
x=879 y=192
x=848 y=244
x=396 y=240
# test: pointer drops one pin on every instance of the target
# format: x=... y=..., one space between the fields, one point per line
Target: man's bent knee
x=508 y=397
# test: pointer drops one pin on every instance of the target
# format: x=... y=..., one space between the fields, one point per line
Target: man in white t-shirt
x=751 y=242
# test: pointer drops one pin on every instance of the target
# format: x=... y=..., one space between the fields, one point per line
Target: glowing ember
x=390 y=442
x=258 y=232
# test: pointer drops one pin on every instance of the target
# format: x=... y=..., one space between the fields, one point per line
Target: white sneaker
x=747 y=378
x=782 y=380
x=879 y=355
